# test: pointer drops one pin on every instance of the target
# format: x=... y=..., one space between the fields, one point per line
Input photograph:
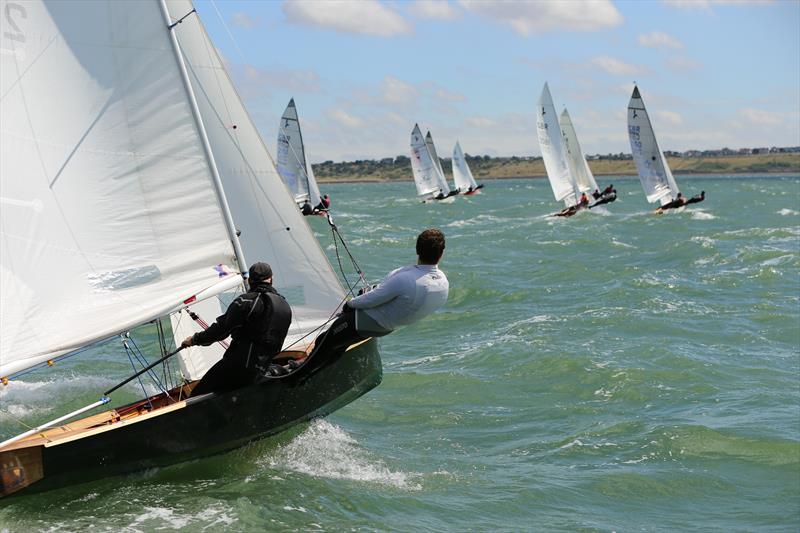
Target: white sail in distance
x=426 y=175
x=578 y=167
x=654 y=173
x=293 y=164
x=272 y=228
x=462 y=175
x=109 y=216
x=443 y=185
x=550 y=142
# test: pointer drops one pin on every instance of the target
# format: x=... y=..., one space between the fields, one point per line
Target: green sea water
x=613 y=371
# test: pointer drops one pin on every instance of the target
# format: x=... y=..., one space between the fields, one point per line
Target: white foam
x=327 y=451
x=622 y=244
x=702 y=215
x=705 y=242
x=161 y=518
x=786 y=212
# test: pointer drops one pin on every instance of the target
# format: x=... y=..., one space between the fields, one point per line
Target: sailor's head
x=260 y=273
x=680 y=195
x=430 y=246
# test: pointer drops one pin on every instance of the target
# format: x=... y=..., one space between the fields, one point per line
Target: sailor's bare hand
x=188 y=341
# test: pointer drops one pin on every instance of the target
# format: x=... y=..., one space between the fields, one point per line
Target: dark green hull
x=212 y=423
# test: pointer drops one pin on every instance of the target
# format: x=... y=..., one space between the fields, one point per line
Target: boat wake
x=326 y=450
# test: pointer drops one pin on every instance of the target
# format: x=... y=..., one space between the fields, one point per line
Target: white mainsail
x=462 y=175
x=109 y=215
x=272 y=228
x=425 y=172
x=550 y=142
x=440 y=177
x=578 y=167
x=293 y=165
x=654 y=173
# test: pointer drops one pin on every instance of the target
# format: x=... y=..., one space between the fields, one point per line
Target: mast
x=223 y=202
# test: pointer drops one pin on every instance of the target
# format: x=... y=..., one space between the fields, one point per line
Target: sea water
x=613 y=371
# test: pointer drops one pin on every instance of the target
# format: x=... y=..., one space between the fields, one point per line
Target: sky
x=712 y=73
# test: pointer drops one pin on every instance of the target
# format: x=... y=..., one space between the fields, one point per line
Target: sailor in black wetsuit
x=679 y=201
x=696 y=198
x=307 y=209
x=257 y=322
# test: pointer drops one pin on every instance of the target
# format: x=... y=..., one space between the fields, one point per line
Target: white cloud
x=243 y=20
x=367 y=17
x=659 y=39
x=669 y=117
x=534 y=17
x=434 y=9
x=306 y=81
x=449 y=96
x=683 y=64
x=479 y=122
x=344 y=119
x=615 y=66
x=397 y=119
x=395 y=91
x=759 y=116
x=705 y=5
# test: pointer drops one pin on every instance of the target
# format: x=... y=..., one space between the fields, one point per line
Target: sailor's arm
x=221 y=328
x=388 y=290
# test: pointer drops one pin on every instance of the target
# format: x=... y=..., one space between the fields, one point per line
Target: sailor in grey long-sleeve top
x=406 y=295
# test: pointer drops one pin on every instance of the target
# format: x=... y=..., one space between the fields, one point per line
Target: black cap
x=260 y=272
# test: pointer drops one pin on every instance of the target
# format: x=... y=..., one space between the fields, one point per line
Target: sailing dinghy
x=293 y=165
x=654 y=173
x=462 y=175
x=578 y=167
x=131 y=208
x=554 y=155
x=441 y=179
x=428 y=179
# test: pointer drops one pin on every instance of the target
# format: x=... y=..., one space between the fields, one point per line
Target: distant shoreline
x=399 y=169
x=538 y=177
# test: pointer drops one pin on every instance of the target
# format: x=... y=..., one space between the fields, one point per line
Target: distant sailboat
x=293 y=165
x=444 y=187
x=462 y=175
x=657 y=181
x=554 y=154
x=130 y=206
x=428 y=179
x=578 y=167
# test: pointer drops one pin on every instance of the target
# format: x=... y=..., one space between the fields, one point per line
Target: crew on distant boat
x=584 y=201
x=605 y=197
x=307 y=209
x=696 y=198
x=324 y=204
x=681 y=201
x=405 y=296
x=257 y=322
